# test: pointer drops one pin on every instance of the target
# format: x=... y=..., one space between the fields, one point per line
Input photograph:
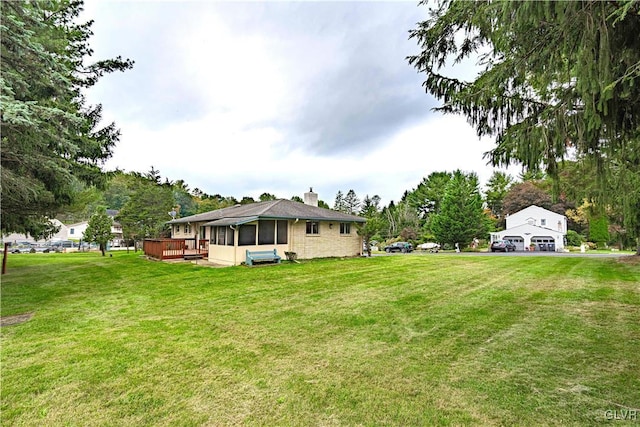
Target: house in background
x=76 y=231
x=16 y=238
x=283 y=225
x=534 y=227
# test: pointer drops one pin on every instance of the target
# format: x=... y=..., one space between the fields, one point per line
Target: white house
x=534 y=227
x=62 y=234
x=76 y=231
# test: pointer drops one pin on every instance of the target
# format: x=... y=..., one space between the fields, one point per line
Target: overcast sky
x=239 y=99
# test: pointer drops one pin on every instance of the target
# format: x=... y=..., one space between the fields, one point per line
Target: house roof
x=533 y=210
x=527 y=229
x=271 y=209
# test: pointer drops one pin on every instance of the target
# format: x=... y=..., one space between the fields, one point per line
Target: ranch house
x=225 y=235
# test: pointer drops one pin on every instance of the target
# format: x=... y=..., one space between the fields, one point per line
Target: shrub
x=573 y=238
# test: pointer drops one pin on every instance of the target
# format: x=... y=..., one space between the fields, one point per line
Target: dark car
x=503 y=246
x=399 y=247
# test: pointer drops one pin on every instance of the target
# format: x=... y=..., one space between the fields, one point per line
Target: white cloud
x=241 y=99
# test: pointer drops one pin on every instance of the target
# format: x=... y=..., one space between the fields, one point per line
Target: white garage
x=534 y=227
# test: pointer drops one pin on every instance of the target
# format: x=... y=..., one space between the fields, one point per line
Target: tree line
x=445 y=207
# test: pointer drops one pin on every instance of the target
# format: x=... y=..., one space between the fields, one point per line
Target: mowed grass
x=402 y=340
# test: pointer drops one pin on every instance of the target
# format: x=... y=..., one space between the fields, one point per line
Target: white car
x=431 y=247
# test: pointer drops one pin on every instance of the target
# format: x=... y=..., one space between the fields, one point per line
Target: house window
x=313 y=227
x=221 y=235
x=266 y=232
x=345 y=228
x=177 y=228
x=247 y=235
x=231 y=235
x=187 y=228
x=543 y=222
x=72 y=231
x=282 y=232
x=212 y=235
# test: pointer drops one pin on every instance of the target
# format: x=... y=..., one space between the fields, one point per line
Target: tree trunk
x=4 y=258
x=102 y=249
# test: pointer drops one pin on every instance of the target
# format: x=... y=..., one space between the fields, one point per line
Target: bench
x=188 y=257
x=260 y=256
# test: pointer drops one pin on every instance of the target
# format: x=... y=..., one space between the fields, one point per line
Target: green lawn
x=401 y=340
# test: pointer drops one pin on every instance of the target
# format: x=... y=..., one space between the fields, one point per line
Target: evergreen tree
x=427 y=197
x=599 y=231
x=461 y=217
x=351 y=203
x=51 y=139
x=145 y=213
x=118 y=190
x=339 y=204
x=497 y=189
x=370 y=206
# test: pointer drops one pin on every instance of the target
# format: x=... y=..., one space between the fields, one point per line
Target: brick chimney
x=311 y=198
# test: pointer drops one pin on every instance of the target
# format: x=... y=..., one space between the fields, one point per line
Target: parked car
x=399 y=247
x=431 y=247
x=503 y=246
x=21 y=248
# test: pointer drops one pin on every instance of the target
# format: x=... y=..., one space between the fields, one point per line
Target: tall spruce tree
x=339 y=203
x=461 y=217
x=351 y=203
x=558 y=80
x=52 y=141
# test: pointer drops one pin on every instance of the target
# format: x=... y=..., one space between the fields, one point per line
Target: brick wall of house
x=327 y=243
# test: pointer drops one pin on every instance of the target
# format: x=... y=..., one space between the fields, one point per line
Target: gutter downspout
x=293 y=246
x=235 y=247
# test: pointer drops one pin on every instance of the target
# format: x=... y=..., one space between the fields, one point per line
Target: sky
x=243 y=98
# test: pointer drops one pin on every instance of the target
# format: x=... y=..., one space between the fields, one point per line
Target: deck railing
x=174 y=248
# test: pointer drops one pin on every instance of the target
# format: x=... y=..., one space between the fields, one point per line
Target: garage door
x=516 y=240
x=544 y=243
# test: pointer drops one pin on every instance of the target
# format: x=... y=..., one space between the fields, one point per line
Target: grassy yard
x=402 y=340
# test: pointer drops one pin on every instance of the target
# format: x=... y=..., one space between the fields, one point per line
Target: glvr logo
x=621 y=414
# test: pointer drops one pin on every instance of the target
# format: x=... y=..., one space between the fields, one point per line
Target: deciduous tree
x=523 y=195
x=99 y=229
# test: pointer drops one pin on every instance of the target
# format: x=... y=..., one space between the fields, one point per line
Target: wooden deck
x=176 y=248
